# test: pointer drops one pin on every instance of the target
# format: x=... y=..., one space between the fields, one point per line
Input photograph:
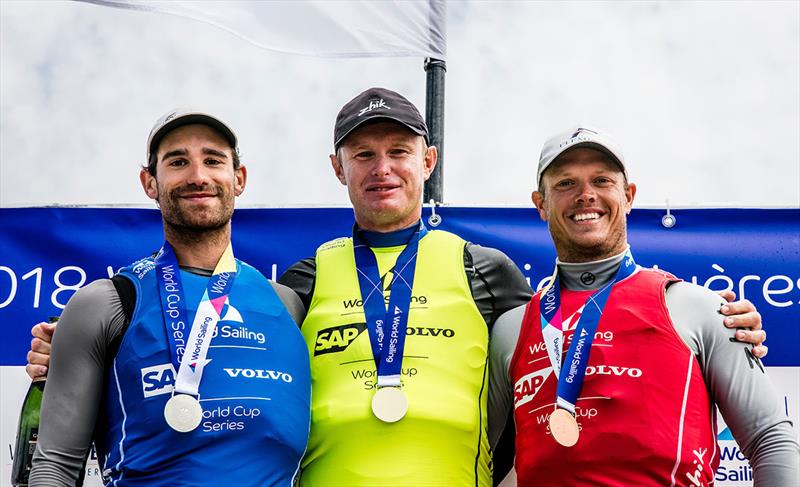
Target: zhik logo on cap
x=374 y=104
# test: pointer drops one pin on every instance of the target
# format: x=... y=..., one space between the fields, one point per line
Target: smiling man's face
x=195 y=182
x=586 y=201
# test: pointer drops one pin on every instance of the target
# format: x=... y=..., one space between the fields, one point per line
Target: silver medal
x=389 y=404
x=183 y=413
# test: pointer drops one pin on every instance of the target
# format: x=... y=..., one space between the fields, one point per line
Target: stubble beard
x=193 y=226
x=570 y=250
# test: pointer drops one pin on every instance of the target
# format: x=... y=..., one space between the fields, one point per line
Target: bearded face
x=196 y=182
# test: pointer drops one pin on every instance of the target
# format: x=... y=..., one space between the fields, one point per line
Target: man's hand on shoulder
x=743 y=314
x=39 y=354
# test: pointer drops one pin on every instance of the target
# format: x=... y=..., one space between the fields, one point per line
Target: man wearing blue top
x=134 y=368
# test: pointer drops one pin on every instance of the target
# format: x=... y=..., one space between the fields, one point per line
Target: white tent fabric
x=702 y=96
x=318 y=28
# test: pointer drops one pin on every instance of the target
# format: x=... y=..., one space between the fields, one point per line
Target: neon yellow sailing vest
x=442 y=440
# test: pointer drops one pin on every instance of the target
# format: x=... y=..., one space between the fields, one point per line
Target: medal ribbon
x=387 y=351
x=570 y=377
x=189 y=366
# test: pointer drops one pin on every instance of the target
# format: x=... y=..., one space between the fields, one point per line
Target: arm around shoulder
x=72 y=396
x=738 y=384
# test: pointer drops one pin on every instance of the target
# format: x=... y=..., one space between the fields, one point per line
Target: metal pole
x=434 y=117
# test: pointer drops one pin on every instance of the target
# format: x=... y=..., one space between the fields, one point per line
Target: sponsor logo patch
x=158 y=379
x=527 y=386
x=337 y=338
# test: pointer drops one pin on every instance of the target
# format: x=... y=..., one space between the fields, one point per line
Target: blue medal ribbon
x=571 y=374
x=386 y=326
x=173 y=307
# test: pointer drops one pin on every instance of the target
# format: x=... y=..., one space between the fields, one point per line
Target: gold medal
x=389 y=404
x=183 y=413
x=564 y=427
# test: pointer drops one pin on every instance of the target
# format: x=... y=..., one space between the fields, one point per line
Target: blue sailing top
x=255 y=391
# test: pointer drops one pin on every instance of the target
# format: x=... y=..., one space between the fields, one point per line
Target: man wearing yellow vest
x=399 y=397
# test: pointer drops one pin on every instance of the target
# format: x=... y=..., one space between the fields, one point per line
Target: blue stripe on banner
x=47 y=253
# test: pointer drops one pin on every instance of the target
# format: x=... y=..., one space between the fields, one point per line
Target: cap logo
x=374 y=104
x=576 y=137
x=577 y=132
x=170 y=117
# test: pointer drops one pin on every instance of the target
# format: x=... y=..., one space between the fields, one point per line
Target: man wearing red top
x=614 y=372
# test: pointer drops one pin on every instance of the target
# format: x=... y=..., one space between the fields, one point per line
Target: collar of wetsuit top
x=588 y=276
x=388 y=239
x=198 y=271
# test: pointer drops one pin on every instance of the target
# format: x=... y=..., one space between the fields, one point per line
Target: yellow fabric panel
x=442 y=440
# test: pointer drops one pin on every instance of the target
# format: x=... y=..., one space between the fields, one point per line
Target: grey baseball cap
x=580 y=136
x=373 y=105
x=179 y=117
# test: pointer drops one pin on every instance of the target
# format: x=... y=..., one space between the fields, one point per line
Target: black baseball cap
x=179 y=117
x=373 y=105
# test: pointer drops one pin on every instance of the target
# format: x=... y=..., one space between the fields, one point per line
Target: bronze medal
x=564 y=427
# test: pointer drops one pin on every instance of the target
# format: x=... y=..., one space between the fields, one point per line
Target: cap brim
x=375 y=119
x=585 y=145
x=189 y=119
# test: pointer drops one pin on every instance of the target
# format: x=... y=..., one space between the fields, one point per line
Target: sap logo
x=527 y=386
x=337 y=338
x=613 y=370
x=158 y=379
x=259 y=374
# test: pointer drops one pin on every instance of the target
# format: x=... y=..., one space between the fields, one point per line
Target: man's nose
x=382 y=165
x=586 y=193
x=198 y=174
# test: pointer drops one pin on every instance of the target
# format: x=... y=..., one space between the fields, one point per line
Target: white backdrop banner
x=318 y=28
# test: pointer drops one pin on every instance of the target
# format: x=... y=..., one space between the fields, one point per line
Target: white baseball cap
x=580 y=136
x=179 y=117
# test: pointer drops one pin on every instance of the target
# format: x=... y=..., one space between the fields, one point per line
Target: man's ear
x=149 y=184
x=338 y=169
x=630 y=194
x=430 y=160
x=240 y=180
x=538 y=202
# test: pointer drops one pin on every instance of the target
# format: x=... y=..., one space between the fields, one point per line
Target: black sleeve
x=503 y=453
x=300 y=277
x=497 y=283
x=291 y=302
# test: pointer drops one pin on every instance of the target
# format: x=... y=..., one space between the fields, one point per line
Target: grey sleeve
x=502 y=344
x=738 y=385
x=291 y=301
x=92 y=319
